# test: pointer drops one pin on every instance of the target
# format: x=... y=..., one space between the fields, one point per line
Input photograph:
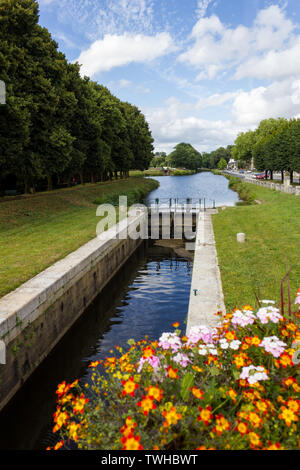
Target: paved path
x=206 y=278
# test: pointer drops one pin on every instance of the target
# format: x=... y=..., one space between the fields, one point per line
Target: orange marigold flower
x=254 y=440
x=131 y=442
x=79 y=403
x=73 y=431
x=176 y=324
x=287 y=415
x=129 y=387
x=293 y=405
x=155 y=392
x=230 y=335
x=197 y=393
x=58 y=445
x=172 y=373
x=205 y=448
x=95 y=364
x=148 y=352
x=206 y=415
x=128 y=427
x=241 y=360
x=232 y=394
x=197 y=369
x=262 y=406
x=289 y=381
x=60 y=419
x=254 y=419
x=221 y=425
x=285 y=360
x=147 y=404
x=171 y=417
x=242 y=428
x=275 y=446
x=62 y=389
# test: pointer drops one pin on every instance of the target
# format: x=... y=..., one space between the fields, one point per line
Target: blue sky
x=200 y=70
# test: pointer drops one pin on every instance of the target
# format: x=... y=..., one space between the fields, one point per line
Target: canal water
x=149 y=294
x=198 y=186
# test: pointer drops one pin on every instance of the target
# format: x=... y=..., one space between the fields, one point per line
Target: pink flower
x=153 y=361
x=273 y=345
x=181 y=359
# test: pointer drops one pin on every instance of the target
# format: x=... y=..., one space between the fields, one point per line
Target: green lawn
x=38 y=230
x=273 y=240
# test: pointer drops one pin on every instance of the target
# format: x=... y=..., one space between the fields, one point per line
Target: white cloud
x=273 y=65
x=114 y=51
x=178 y=122
x=280 y=99
x=216 y=46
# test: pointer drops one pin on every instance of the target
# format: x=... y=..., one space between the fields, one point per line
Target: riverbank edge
x=34 y=317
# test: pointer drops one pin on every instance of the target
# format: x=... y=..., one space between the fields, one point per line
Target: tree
x=185 y=156
x=222 y=164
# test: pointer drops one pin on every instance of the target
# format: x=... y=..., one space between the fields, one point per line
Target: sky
x=201 y=71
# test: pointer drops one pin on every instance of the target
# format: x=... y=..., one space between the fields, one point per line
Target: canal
x=147 y=295
x=198 y=186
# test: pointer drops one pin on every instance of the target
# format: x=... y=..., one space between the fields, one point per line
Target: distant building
x=232 y=165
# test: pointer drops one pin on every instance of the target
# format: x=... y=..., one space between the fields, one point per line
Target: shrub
x=232 y=387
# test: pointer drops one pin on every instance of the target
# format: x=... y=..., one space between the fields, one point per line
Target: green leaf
x=186 y=384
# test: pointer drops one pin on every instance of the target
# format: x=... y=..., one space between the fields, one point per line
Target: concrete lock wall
x=34 y=317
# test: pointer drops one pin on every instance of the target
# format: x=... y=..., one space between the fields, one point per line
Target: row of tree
x=273 y=146
x=186 y=156
x=55 y=124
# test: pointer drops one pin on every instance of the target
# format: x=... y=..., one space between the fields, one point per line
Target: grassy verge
x=39 y=230
x=273 y=239
x=244 y=191
x=158 y=172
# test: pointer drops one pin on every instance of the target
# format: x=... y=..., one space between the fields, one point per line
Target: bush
x=232 y=387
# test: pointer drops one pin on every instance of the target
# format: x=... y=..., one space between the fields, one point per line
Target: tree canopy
x=56 y=124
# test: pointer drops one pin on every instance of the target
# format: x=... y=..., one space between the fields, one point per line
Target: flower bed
x=233 y=387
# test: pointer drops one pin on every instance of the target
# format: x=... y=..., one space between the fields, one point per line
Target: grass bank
x=159 y=172
x=273 y=238
x=36 y=231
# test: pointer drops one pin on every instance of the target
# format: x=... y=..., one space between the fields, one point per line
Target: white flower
x=235 y=344
x=253 y=374
x=224 y=343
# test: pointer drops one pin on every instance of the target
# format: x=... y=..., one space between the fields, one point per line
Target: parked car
x=261 y=176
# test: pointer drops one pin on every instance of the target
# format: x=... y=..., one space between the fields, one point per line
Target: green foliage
x=212 y=159
x=55 y=123
x=185 y=156
x=222 y=164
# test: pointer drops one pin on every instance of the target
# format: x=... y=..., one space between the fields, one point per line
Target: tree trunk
x=50 y=182
x=116 y=175
x=81 y=177
x=26 y=185
x=271 y=174
x=282 y=176
x=93 y=178
x=111 y=175
x=291 y=176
